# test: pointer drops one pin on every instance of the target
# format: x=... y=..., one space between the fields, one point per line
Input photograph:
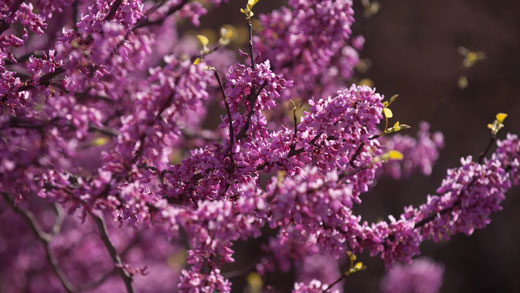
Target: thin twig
x=96 y=283
x=253 y=99
x=230 y=118
x=242 y=271
x=45 y=239
x=171 y=10
x=60 y=217
x=356 y=154
x=251 y=50
x=432 y=217
x=343 y=276
x=112 y=251
x=488 y=147
x=105 y=130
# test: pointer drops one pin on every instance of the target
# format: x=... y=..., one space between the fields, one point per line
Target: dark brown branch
x=251 y=49
x=254 y=98
x=44 y=80
x=432 y=217
x=171 y=10
x=45 y=239
x=104 y=130
x=488 y=147
x=242 y=271
x=96 y=283
x=112 y=251
x=230 y=118
x=113 y=9
x=75 y=15
x=189 y=134
x=343 y=276
x=356 y=154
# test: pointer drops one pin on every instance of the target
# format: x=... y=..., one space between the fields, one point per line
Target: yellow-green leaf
x=367 y=82
x=99 y=141
x=358 y=266
x=395 y=155
x=462 y=82
x=388 y=113
x=392 y=99
x=203 y=40
x=255 y=282
x=352 y=256
x=501 y=117
x=252 y=3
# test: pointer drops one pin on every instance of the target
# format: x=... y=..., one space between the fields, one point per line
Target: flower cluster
x=418 y=153
x=309 y=39
x=116 y=172
x=423 y=275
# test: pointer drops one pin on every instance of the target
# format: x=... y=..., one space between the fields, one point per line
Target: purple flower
x=422 y=275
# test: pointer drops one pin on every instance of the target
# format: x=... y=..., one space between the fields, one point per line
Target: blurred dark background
x=412 y=46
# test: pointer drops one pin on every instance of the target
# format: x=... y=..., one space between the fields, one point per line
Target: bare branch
x=230 y=118
x=60 y=217
x=45 y=239
x=116 y=259
x=251 y=49
x=94 y=284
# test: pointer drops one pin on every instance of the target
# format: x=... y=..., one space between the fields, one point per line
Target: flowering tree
x=100 y=99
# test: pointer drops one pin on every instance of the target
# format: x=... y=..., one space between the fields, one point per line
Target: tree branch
x=432 y=217
x=113 y=9
x=254 y=98
x=45 y=239
x=230 y=118
x=116 y=259
x=171 y=10
x=251 y=49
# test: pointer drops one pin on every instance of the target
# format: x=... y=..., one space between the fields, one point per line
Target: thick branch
x=113 y=9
